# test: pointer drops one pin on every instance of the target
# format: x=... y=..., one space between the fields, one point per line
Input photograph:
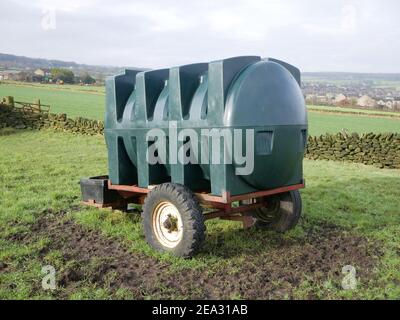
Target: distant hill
x=350 y=76
x=10 y=61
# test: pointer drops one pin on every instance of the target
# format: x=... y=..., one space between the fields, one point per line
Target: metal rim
x=167 y=224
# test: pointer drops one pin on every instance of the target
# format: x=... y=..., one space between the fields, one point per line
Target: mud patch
x=3 y=266
x=89 y=256
x=275 y=273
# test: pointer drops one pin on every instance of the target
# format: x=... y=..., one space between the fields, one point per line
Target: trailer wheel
x=282 y=213
x=173 y=220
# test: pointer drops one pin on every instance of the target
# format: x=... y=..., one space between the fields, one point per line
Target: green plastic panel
x=248 y=92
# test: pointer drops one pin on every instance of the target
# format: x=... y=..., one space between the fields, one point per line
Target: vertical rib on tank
x=238 y=93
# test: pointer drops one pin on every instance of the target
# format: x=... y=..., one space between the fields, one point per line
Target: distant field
x=353 y=110
x=76 y=101
x=89 y=102
x=321 y=123
x=65 y=87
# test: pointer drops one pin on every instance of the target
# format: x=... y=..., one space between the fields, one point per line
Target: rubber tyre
x=190 y=211
x=287 y=214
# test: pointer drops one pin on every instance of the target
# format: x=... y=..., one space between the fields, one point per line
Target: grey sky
x=315 y=35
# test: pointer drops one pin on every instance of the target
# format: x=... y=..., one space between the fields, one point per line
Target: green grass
x=76 y=101
x=95 y=89
x=40 y=170
x=320 y=123
x=353 y=110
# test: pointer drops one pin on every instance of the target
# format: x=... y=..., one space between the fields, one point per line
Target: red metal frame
x=226 y=197
x=222 y=205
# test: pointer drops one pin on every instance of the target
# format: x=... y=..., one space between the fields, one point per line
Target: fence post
x=10 y=101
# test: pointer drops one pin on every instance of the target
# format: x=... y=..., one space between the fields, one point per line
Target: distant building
x=40 y=75
x=367 y=102
x=381 y=103
x=340 y=99
x=8 y=74
x=322 y=99
x=311 y=99
x=330 y=96
x=390 y=104
x=4 y=75
x=42 y=72
x=39 y=72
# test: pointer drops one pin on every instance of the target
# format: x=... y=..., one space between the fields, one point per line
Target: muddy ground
x=89 y=256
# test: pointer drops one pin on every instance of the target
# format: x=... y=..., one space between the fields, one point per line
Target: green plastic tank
x=259 y=97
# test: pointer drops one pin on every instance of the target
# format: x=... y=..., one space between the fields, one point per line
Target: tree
x=37 y=78
x=87 y=79
x=65 y=75
x=24 y=76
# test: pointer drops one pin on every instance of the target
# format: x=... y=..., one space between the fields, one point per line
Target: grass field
x=65 y=87
x=351 y=217
x=320 y=123
x=89 y=102
x=76 y=101
x=353 y=110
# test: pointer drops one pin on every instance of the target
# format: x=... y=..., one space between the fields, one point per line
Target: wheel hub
x=270 y=212
x=167 y=224
x=171 y=224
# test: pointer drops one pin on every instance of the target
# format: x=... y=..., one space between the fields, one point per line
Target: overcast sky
x=315 y=35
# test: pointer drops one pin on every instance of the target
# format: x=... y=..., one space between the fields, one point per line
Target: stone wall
x=19 y=119
x=382 y=150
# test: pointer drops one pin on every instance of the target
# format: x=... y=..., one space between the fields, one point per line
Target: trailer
x=159 y=158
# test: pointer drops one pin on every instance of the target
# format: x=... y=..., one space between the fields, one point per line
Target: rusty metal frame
x=221 y=206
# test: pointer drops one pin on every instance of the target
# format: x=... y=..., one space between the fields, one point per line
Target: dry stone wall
x=382 y=149
x=17 y=118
